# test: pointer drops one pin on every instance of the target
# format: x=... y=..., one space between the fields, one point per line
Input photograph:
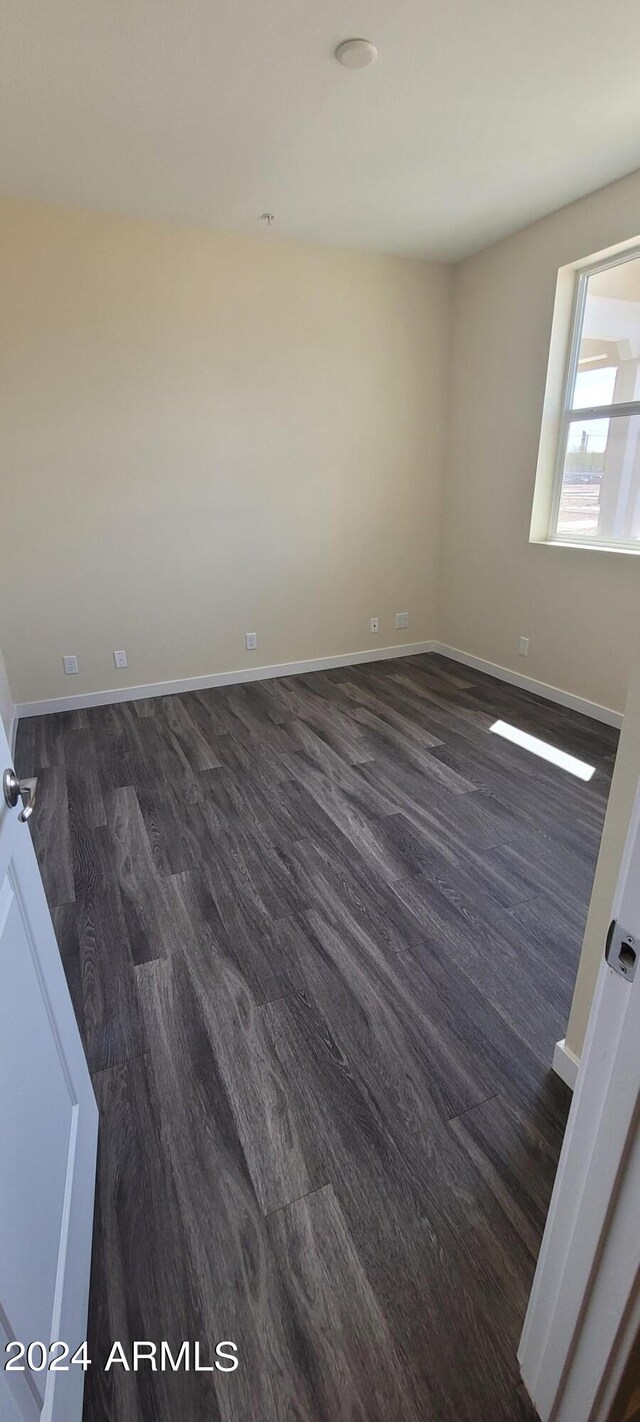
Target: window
x=596 y=493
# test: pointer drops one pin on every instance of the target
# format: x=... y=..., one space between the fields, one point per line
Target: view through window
x=597 y=495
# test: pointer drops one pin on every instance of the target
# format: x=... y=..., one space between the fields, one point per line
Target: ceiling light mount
x=267 y=218
x=356 y=53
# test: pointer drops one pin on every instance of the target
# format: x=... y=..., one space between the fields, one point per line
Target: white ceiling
x=479 y=116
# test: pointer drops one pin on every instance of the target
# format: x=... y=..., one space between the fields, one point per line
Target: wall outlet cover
x=70 y=665
x=251 y=640
x=523 y=646
x=374 y=624
x=120 y=659
x=402 y=619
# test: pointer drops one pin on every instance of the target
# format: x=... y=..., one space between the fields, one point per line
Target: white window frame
x=570 y=414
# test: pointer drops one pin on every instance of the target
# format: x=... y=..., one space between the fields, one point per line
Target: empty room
x=320 y=712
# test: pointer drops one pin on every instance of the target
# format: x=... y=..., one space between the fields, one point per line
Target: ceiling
x=479 y=115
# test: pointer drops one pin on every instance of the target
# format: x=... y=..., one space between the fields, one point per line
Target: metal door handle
x=14 y=790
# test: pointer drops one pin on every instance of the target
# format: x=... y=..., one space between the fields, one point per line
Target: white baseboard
x=565 y=1064
x=538 y=688
x=201 y=683
x=411 y=649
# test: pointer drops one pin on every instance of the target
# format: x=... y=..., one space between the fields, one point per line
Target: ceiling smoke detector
x=356 y=53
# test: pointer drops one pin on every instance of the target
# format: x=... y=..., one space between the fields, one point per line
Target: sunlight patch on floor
x=543 y=749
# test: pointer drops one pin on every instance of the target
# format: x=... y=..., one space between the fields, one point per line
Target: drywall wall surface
x=577 y=606
x=206 y=435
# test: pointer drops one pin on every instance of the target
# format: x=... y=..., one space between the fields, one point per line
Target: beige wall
x=205 y=435
x=621 y=800
x=578 y=606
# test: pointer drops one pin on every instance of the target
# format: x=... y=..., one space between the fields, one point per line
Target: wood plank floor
x=320 y=935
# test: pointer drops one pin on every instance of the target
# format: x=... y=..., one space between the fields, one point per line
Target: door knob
x=15 y=790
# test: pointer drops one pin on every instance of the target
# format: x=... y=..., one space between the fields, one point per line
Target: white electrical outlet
x=402 y=619
x=523 y=646
x=120 y=659
x=251 y=640
x=70 y=665
x=374 y=624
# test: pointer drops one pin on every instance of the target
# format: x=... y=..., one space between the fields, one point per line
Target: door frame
x=584 y=1310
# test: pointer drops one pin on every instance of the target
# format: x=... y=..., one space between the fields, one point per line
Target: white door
x=584 y=1311
x=48 y=1136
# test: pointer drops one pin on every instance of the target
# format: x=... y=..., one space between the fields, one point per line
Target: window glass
x=600 y=493
x=609 y=355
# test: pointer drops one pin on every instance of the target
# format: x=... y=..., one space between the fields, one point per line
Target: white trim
x=577 y=318
x=611 y=257
x=565 y=1064
x=592 y=547
x=570 y=414
x=576 y=1335
x=228 y=678
x=621 y=1356
x=13 y=731
x=621 y=410
x=538 y=688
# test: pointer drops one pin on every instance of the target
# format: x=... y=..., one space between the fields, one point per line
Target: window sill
x=588 y=547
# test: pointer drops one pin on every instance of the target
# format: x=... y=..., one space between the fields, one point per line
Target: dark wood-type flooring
x=321 y=935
